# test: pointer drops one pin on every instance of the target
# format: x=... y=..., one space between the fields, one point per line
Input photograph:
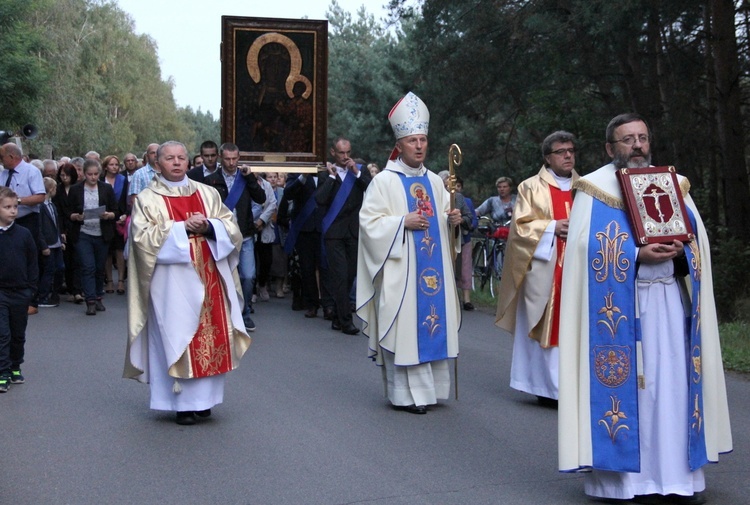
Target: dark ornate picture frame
x=274 y=91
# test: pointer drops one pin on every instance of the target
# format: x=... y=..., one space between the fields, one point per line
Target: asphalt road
x=304 y=421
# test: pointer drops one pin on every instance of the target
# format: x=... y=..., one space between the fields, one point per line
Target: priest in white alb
x=185 y=326
x=643 y=405
x=406 y=295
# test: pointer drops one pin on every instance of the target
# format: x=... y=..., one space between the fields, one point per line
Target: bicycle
x=488 y=254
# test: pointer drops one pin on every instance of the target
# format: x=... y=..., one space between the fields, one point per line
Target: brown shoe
x=32 y=310
x=311 y=313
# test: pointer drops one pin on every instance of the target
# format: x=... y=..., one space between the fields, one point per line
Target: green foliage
x=203 y=124
x=735 y=346
x=22 y=67
x=361 y=87
x=96 y=84
x=730 y=259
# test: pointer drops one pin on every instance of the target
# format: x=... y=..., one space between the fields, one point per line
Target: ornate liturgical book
x=655 y=206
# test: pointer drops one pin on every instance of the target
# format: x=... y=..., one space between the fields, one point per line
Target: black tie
x=10 y=176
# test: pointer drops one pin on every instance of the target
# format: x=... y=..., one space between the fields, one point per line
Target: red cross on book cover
x=654 y=203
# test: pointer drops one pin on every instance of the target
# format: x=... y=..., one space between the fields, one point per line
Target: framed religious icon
x=655 y=205
x=274 y=91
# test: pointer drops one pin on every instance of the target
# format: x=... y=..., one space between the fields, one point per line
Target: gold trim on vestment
x=609 y=199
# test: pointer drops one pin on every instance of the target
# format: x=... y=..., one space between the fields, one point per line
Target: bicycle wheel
x=479 y=264
x=498 y=257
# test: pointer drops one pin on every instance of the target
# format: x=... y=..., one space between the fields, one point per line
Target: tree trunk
x=729 y=120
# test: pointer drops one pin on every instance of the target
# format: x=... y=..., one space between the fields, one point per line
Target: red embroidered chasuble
x=209 y=350
x=561 y=204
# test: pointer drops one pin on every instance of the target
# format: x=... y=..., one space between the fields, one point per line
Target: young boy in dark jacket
x=19 y=274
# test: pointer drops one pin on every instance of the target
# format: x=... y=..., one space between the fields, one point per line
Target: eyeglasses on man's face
x=631 y=139
x=563 y=152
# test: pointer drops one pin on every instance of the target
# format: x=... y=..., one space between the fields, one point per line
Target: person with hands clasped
x=405 y=290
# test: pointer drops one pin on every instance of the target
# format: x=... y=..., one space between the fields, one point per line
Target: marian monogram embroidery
x=610 y=254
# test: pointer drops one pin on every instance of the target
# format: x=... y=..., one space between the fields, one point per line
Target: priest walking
x=405 y=290
x=529 y=302
x=185 y=327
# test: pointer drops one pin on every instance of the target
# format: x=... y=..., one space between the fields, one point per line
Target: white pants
x=417 y=384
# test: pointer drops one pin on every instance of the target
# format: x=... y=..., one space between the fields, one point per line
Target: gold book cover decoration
x=654 y=205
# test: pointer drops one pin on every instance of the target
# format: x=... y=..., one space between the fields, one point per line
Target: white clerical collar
x=174 y=184
x=562 y=182
x=410 y=171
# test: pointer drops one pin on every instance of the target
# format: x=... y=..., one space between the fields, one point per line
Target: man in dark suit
x=50 y=225
x=340 y=196
x=210 y=156
x=304 y=236
x=241 y=203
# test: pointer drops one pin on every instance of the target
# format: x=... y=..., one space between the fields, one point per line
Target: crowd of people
x=621 y=337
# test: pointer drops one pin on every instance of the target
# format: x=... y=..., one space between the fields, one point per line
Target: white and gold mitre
x=409 y=116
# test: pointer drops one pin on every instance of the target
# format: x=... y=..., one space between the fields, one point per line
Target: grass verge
x=735 y=345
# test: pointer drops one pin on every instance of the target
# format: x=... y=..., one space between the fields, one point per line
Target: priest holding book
x=642 y=399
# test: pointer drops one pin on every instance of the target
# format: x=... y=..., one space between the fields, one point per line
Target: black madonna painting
x=274 y=88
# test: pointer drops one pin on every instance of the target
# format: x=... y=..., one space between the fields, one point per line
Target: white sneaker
x=263 y=294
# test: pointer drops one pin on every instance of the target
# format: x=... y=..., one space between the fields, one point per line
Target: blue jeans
x=246 y=269
x=92 y=255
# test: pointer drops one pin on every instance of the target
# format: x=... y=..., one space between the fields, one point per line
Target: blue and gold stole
x=614 y=333
x=697 y=456
x=432 y=336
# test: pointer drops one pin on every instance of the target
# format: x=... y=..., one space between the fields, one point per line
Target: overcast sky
x=188 y=35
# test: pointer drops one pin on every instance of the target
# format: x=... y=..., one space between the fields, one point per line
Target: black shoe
x=99 y=306
x=90 y=309
x=350 y=330
x=203 y=413
x=186 y=418
x=468 y=306
x=412 y=409
x=550 y=403
x=47 y=303
x=311 y=313
x=16 y=377
x=249 y=324
x=335 y=325
x=671 y=499
x=328 y=314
